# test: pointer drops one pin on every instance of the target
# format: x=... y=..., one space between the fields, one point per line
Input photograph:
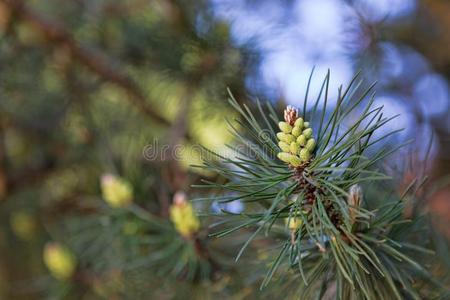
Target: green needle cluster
x=295 y=141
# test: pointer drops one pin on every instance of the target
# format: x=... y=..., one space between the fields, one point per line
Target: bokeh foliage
x=89 y=87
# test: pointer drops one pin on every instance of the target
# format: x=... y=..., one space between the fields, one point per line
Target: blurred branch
x=3 y=164
x=97 y=63
x=124 y=9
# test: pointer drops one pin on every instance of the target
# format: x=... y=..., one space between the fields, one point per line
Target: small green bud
x=307 y=133
x=281 y=136
x=286 y=157
x=354 y=199
x=284 y=146
x=294 y=148
x=116 y=191
x=293 y=223
x=299 y=123
x=296 y=131
x=295 y=161
x=285 y=127
x=23 y=224
x=183 y=216
x=310 y=145
x=301 y=140
x=289 y=138
x=305 y=154
x=285 y=137
x=306 y=124
x=59 y=260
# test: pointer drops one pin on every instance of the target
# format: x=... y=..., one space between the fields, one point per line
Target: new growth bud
x=116 y=191
x=299 y=123
x=307 y=133
x=23 y=225
x=290 y=114
x=285 y=127
x=285 y=147
x=287 y=138
x=304 y=154
x=286 y=157
x=183 y=216
x=354 y=201
x=310 y=145
x=293 y=223
x=301 y=140
x=296 y=131
x=295 y=139
x=59 y=261
x=294 y=148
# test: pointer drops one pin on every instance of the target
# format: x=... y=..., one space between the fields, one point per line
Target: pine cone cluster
x=295 y=139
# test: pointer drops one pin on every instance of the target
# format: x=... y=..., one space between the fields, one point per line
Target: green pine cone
x=299 y=123
x=310 y=145
x=305 y=155
x=296 y=131
x=307 y=132
x=294 y=148
x=284 y=146
x=285 y=127
x=301 y=140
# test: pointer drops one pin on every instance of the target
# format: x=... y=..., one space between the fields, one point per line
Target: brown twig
x=3 y=164
x=57 y=35
x=175 y=175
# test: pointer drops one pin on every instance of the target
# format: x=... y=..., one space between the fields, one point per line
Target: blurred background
x=89 y=87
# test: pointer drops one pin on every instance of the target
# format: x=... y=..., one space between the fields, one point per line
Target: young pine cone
x=295 y=139
x=183 y=216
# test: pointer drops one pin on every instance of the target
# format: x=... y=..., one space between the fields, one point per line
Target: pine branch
x=59 y=36
x=314 y=187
